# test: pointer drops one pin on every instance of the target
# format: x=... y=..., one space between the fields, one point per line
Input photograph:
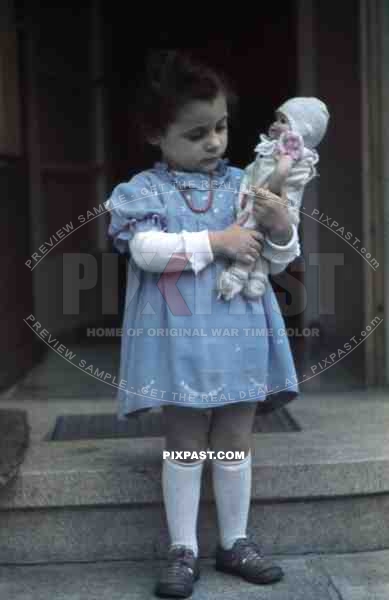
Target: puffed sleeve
x=134 y=206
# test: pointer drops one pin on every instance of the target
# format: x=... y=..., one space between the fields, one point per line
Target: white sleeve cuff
x=198 y=246
x=278 y=256
x=152 y=251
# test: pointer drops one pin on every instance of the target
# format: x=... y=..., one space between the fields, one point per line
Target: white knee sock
x=232 y=490
x=181 y=484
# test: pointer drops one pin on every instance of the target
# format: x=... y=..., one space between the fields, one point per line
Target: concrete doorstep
x=362 y=576
x=316 y=491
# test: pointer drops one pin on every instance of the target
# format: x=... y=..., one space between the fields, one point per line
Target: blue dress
x=180 y=344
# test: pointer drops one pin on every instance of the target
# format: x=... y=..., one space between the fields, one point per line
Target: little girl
x=207 y=363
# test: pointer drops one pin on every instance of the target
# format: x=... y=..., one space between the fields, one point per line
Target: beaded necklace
x=188 y=201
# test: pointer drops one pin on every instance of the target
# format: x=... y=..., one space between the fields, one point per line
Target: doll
x=285 y=163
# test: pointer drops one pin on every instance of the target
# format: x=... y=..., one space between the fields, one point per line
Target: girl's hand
x=236 y=242
x=271 y=213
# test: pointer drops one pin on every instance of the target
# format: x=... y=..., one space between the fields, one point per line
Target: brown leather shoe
x=245 y=559
x=179 y=574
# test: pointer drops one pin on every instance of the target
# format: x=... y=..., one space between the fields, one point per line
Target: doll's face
x=280 y=125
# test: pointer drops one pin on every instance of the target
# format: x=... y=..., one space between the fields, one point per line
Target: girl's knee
x=231 y=428
x=188 y=449
x=221 y=441
x=185 y=431
x=186 y=457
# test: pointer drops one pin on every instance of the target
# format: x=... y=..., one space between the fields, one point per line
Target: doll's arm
x=294 y=198
x=289 y=151
x=277 y=179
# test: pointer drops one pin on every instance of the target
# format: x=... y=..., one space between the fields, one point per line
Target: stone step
x=361 y=576
x=102 y=499
x=123 y=580
x=75 y=427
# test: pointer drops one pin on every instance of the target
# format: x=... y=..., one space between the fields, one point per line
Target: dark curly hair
x=172 y=79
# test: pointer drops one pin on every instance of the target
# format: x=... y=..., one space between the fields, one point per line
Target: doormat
x=107 y=426
x=14 y=441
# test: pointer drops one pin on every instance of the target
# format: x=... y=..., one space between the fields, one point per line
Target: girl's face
x=197 y=139
x=280 y=125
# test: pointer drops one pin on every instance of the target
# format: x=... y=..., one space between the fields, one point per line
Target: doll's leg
x=232 y=280
x=258 y=280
